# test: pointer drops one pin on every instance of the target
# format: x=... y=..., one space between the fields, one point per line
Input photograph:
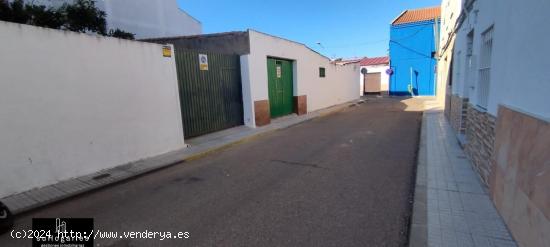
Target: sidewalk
x=198 y=147
x=451 y=207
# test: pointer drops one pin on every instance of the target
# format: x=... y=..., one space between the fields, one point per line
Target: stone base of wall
x=262 y=112
x=458 y=113
x=480 y=139
x=520 y=180
x=300 y=104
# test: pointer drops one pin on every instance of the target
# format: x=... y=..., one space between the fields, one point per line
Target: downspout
x=411 y=87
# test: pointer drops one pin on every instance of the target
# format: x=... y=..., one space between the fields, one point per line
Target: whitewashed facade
x=500 y=108
x=339 y=85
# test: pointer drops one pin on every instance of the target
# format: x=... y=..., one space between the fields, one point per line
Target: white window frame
x=485 y=59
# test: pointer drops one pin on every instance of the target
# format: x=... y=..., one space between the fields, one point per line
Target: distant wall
x=339 y=85
x=73 y=104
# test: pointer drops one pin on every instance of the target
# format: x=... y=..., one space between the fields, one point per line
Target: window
x=470 y=44
x=321 y=72
x=485 y=68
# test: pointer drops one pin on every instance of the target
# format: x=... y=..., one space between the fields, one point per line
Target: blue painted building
x=413 y=37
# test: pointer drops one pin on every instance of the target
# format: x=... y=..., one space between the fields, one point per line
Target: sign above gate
x=167 y=51
x=203 y=62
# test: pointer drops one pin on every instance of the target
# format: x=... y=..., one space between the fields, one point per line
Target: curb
x=37 y=198
x=419 y=229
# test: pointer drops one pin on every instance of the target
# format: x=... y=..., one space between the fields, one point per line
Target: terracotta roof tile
x=417 y=15
x=374 y=61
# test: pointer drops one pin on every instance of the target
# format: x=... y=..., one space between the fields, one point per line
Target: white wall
x=72 y=104
x=150 y=18
x=145 y=18
x=248 y=103
x=521 y=77
x=519 y=72
x=339 y=85
x=385 y=78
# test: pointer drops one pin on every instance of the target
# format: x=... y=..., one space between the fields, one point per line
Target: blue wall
x=411 y=46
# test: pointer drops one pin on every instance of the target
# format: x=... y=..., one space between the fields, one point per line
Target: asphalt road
x=340 y=180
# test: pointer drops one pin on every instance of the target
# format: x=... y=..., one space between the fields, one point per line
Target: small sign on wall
x=166 y=51
x=203 y=62
x=279 y=72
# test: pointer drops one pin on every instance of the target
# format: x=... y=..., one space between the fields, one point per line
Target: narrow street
x=341 y=180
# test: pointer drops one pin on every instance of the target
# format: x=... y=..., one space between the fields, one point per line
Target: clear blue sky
x=346 y=28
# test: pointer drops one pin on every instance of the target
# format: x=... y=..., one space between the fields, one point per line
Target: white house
x=317 y=82
x=144 y=18
x=279 y=76
x=499 y=104
x=374 y=78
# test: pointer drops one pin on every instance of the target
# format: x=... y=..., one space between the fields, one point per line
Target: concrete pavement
x=452 y=207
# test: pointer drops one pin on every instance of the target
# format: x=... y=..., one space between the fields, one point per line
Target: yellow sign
x=167 y=51
x=203 y=62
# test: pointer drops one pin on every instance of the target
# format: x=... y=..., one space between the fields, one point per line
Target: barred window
x=485 y=68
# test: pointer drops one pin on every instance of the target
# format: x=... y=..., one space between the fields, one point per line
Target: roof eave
x=397 y=18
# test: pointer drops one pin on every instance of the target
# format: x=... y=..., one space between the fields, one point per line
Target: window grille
x=485 y=68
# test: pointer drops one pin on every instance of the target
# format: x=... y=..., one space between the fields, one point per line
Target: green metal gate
x=281 y=97
x=211 y=100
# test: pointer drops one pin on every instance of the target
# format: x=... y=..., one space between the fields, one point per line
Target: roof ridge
x=375 y=61
x=418 y=15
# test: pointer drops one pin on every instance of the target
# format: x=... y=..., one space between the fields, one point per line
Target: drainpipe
x=410 y=88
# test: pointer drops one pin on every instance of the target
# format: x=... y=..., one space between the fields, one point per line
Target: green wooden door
x=279 y=74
